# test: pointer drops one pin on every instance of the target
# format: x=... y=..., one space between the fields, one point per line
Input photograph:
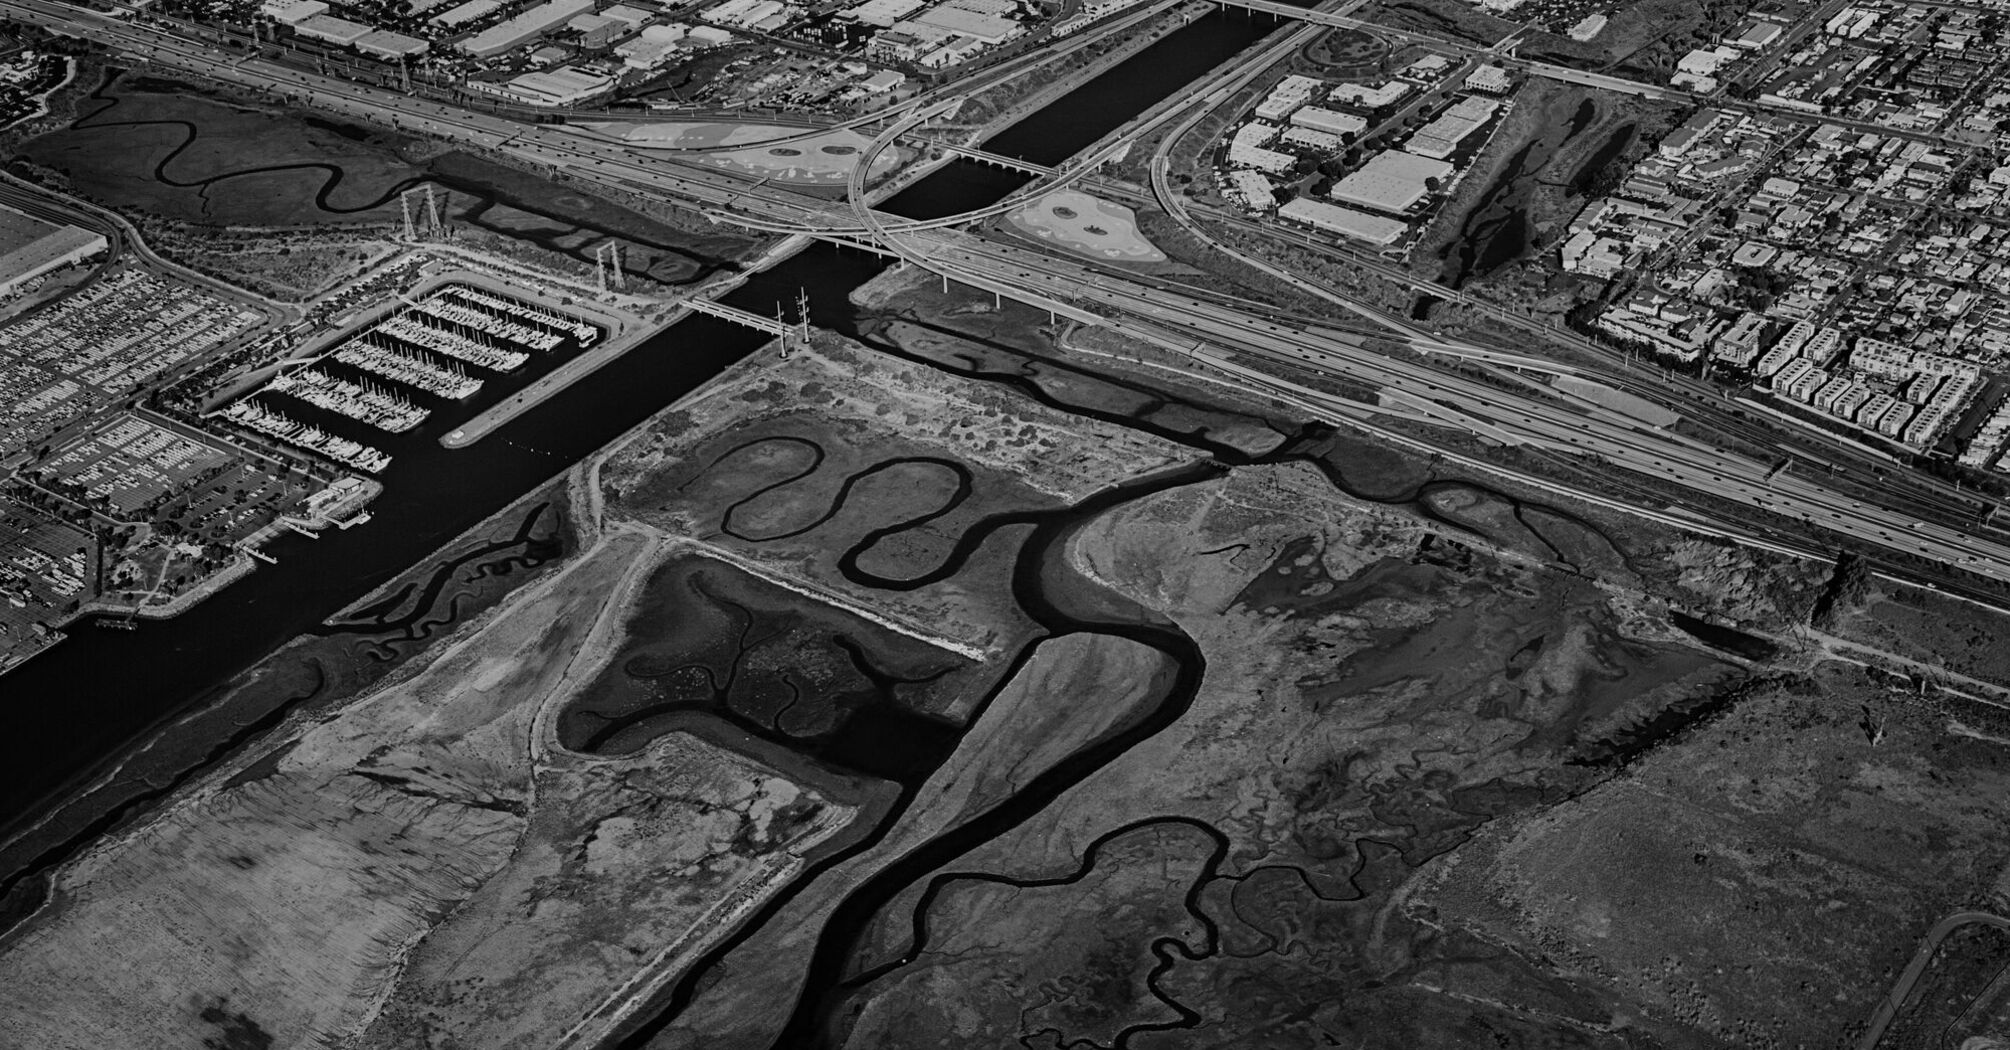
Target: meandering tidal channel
x=89 y=698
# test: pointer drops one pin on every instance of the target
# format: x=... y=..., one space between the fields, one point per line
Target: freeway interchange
x=1224 y=339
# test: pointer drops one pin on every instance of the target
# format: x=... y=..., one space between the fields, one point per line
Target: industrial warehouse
x=30 y=248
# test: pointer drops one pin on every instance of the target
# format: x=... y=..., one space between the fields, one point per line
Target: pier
x=624 y=336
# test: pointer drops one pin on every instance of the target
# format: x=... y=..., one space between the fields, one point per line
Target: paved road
x=1061 y=285
x=1518 y=417
x=1902 y=990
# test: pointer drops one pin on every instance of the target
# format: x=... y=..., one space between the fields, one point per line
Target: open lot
x=816 y=160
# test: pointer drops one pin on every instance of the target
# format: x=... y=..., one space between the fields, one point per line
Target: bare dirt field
x=1761 y=883
x=900 y=487
x=358 y=880
x=1086 y=225
x=1376 y=690
x=813 y=160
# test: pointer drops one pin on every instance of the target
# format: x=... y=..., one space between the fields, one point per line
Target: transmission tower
x=799 y=334
x=427 y=220
x=607 y=272
x=433 y=224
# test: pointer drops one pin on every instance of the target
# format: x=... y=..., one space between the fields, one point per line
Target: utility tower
x=607 y=272
x=428 y=218
x=433 y=223
x=799 y=332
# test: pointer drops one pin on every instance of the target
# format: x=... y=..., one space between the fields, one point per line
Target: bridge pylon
x=799 y=331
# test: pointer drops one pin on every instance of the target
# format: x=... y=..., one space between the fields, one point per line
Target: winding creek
x=568 y=237
x=92 y=696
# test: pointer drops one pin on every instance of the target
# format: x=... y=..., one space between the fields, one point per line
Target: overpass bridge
x=1498 y=51
x=998 y=160
x=792 y=333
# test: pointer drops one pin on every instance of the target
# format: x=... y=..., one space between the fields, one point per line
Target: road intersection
x=1210 y=332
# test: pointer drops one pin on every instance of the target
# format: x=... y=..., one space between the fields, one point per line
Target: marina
x=475 y=320
x=413 y=369
x=453 y=344
x=259 y=419
x=362 y=401
x=584 y=333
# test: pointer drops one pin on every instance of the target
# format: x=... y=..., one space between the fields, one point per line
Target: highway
x=1202 y=328
x=1568 y=75
x=1695 y=398
x=1097 y=296
x=1707 y=409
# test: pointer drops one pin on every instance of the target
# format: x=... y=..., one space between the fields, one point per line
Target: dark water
x=1586 y=111
x=1496 y=232
x=1621 y=137
x=1728 y=639
x=1070 y=124
x=81 y=701
x=74 y=706
x=77 y=703
x=1093 y=110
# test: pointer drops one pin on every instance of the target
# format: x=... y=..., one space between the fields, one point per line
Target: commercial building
x=1250 y=189
x=883 y=13
x=950 y=52
x=1091 y=12
x=1441 y=137
x=1289 y=94
x=30 y=248
x=1330 y=121
x=331 y=29
x=462 y=14
x=1489 y=78
x=1391 y=181
x=1309 y=139
x=384 y=44
x=1246 y=149
x=1426 y=68
x=633 y=17
x=762 y=15
x=643 y=54
x=597 y=31
x=524 y=28
x=882 y=82
x=1757 y=35
x=988 y=28
x=564 y=86
x=1592 y=25
x=1368 y=96
x=292 y=12
x=1359 y=225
